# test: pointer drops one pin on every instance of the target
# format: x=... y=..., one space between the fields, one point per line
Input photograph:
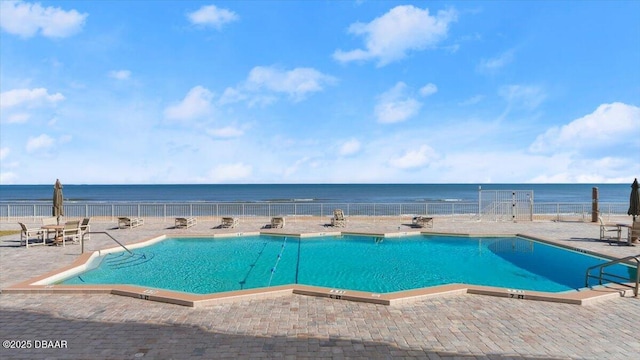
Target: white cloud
x=120 y=74
x=264 y=84
x=18 y=118
x=389 y=37
x=226 y=132
x=428 y=90
x=526 y=96
x=65 y=139
x=231 y=95
x=212 y=16
x=8 y=178
x=230 y=172
x=26 y=19
x=496 y=63
x=472 y=100
x=395 y=106
x=4 y=152
x=292 y=169
x=609 y=125
x=296 y=83
x=414 y=158
x=196 y=104
x=350 y=147
x=28 y=97
x=41 y=142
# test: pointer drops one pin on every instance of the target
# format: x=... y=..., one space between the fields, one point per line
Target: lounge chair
x=85 y=228
x=187 y=222
x=338 y=218
x=129 y=222
x=277 y=222
x=71 y=232
x=609 y=232
x=26 y=234
x=422 y=221
x=228 y=222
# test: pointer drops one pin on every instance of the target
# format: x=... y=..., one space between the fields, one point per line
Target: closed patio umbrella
x=634 y=200
x=58 y=209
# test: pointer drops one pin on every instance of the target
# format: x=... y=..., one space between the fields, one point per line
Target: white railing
x=540 y=211
x=506 y=205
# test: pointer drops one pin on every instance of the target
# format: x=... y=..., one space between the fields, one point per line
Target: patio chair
x=277 y=222
x=85 y=228
x=338 y=218
x=71 y=231
x=422 y=221
x=634 y=232
x=26 y=234
x=228 y=222
x=609 y=232
x=49 y=221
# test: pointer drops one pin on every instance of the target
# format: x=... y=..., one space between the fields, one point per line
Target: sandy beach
x=295 y=326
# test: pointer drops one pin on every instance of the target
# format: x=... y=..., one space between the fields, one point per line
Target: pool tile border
x=41 y=284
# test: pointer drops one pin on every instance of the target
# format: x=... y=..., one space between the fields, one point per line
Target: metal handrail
x=601 y=274
x=102 y=232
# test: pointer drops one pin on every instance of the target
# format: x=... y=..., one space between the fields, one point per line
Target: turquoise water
x=382 y=265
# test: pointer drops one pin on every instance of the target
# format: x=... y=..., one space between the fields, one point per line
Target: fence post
x=479 y=202
x=594 y=205
x=513 y=206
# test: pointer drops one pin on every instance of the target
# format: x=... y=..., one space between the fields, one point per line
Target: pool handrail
x=102 y=232
x=602 y=274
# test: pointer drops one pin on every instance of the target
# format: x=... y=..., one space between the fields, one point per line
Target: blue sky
x=116 y=92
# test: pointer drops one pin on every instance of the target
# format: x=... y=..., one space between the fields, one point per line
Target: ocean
x=318 y=193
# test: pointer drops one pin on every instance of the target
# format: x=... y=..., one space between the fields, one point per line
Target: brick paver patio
x=97 y=326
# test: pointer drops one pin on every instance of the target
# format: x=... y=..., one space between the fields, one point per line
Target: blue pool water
x=382 y=265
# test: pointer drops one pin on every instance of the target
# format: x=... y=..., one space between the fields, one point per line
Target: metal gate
x=505 y=205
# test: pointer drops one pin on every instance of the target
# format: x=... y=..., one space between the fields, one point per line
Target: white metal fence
x=502 y=205
x=486 y=210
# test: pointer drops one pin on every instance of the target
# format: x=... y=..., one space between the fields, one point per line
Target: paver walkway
x=297 y=327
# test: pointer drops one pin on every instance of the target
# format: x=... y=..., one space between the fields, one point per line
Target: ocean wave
x=291 y=200
x=441 y=200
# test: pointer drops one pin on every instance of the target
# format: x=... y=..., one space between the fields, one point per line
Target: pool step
x=124 y=260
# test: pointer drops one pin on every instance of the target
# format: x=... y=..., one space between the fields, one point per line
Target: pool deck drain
x=289 y=325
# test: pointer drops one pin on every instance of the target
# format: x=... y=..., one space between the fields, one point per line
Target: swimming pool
x=364 y=263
